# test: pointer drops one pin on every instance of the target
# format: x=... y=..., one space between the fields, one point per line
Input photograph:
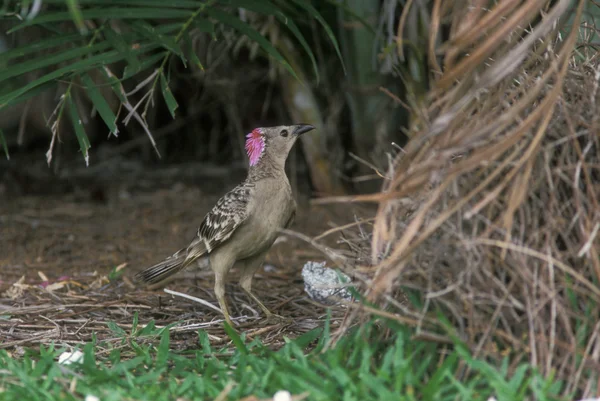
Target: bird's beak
x=302 y=128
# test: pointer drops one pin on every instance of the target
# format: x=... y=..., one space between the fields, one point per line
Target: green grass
x=364 y=365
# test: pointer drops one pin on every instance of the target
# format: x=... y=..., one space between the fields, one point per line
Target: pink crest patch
x=255 y=145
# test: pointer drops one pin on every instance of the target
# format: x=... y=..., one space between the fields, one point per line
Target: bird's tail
x=165 y=269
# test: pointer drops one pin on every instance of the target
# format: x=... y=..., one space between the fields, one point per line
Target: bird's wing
x=221 y=222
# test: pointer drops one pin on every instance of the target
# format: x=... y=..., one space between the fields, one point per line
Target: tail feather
x=181 y=259
x=165 y=269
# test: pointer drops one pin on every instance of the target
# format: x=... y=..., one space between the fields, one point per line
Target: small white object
x=282 y=395
x=90 y=397
x=269 y=268
x=325 y=285
x=67 y=358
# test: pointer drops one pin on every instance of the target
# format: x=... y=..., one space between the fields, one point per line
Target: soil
x=70 y=244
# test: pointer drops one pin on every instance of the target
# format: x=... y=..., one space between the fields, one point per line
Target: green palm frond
x=74 y=38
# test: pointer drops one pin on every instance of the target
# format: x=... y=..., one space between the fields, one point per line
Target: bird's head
x=273 y=142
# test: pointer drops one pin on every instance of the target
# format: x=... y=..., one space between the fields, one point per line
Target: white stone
x=282 y=395
x=324 y=284
x=67 y=358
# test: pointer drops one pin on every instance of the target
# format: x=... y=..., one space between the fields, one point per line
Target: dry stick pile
x=69 y=313
x=57 y=284
x=491 y=212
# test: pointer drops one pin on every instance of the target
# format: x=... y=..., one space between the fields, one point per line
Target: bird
x=246 y=221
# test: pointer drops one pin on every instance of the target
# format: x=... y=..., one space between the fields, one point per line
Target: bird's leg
x=258 y=302
x=221 y=263
x=220 y=293
x=250 y=267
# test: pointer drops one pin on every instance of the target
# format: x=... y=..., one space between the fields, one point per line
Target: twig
x=191 y=298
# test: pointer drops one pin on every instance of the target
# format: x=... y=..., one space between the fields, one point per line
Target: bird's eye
x=284 y=133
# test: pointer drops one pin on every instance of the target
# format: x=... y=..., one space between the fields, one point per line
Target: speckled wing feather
x=220 y=223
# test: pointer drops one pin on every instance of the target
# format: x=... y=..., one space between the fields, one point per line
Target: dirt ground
x=62 y=239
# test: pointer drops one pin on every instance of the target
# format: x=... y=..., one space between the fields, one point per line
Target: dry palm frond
x=492 y=212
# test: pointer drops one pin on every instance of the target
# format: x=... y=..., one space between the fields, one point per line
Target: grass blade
x=305 y=339
x=134 y=325
x=163 y=350
x=4 y=145
x=204 y=342
x=116 y=329
x=148 y=330
x=76 y=15
x=82 y=138
x=235 y=338
x=100 y=104
x=169 y=99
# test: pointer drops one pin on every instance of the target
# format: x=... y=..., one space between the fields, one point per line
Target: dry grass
x=74 y=314
x=490 y=214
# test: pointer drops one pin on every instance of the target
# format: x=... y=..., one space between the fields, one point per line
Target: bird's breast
x=272 y=210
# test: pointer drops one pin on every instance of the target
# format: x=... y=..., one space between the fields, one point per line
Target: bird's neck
x=267 y=167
